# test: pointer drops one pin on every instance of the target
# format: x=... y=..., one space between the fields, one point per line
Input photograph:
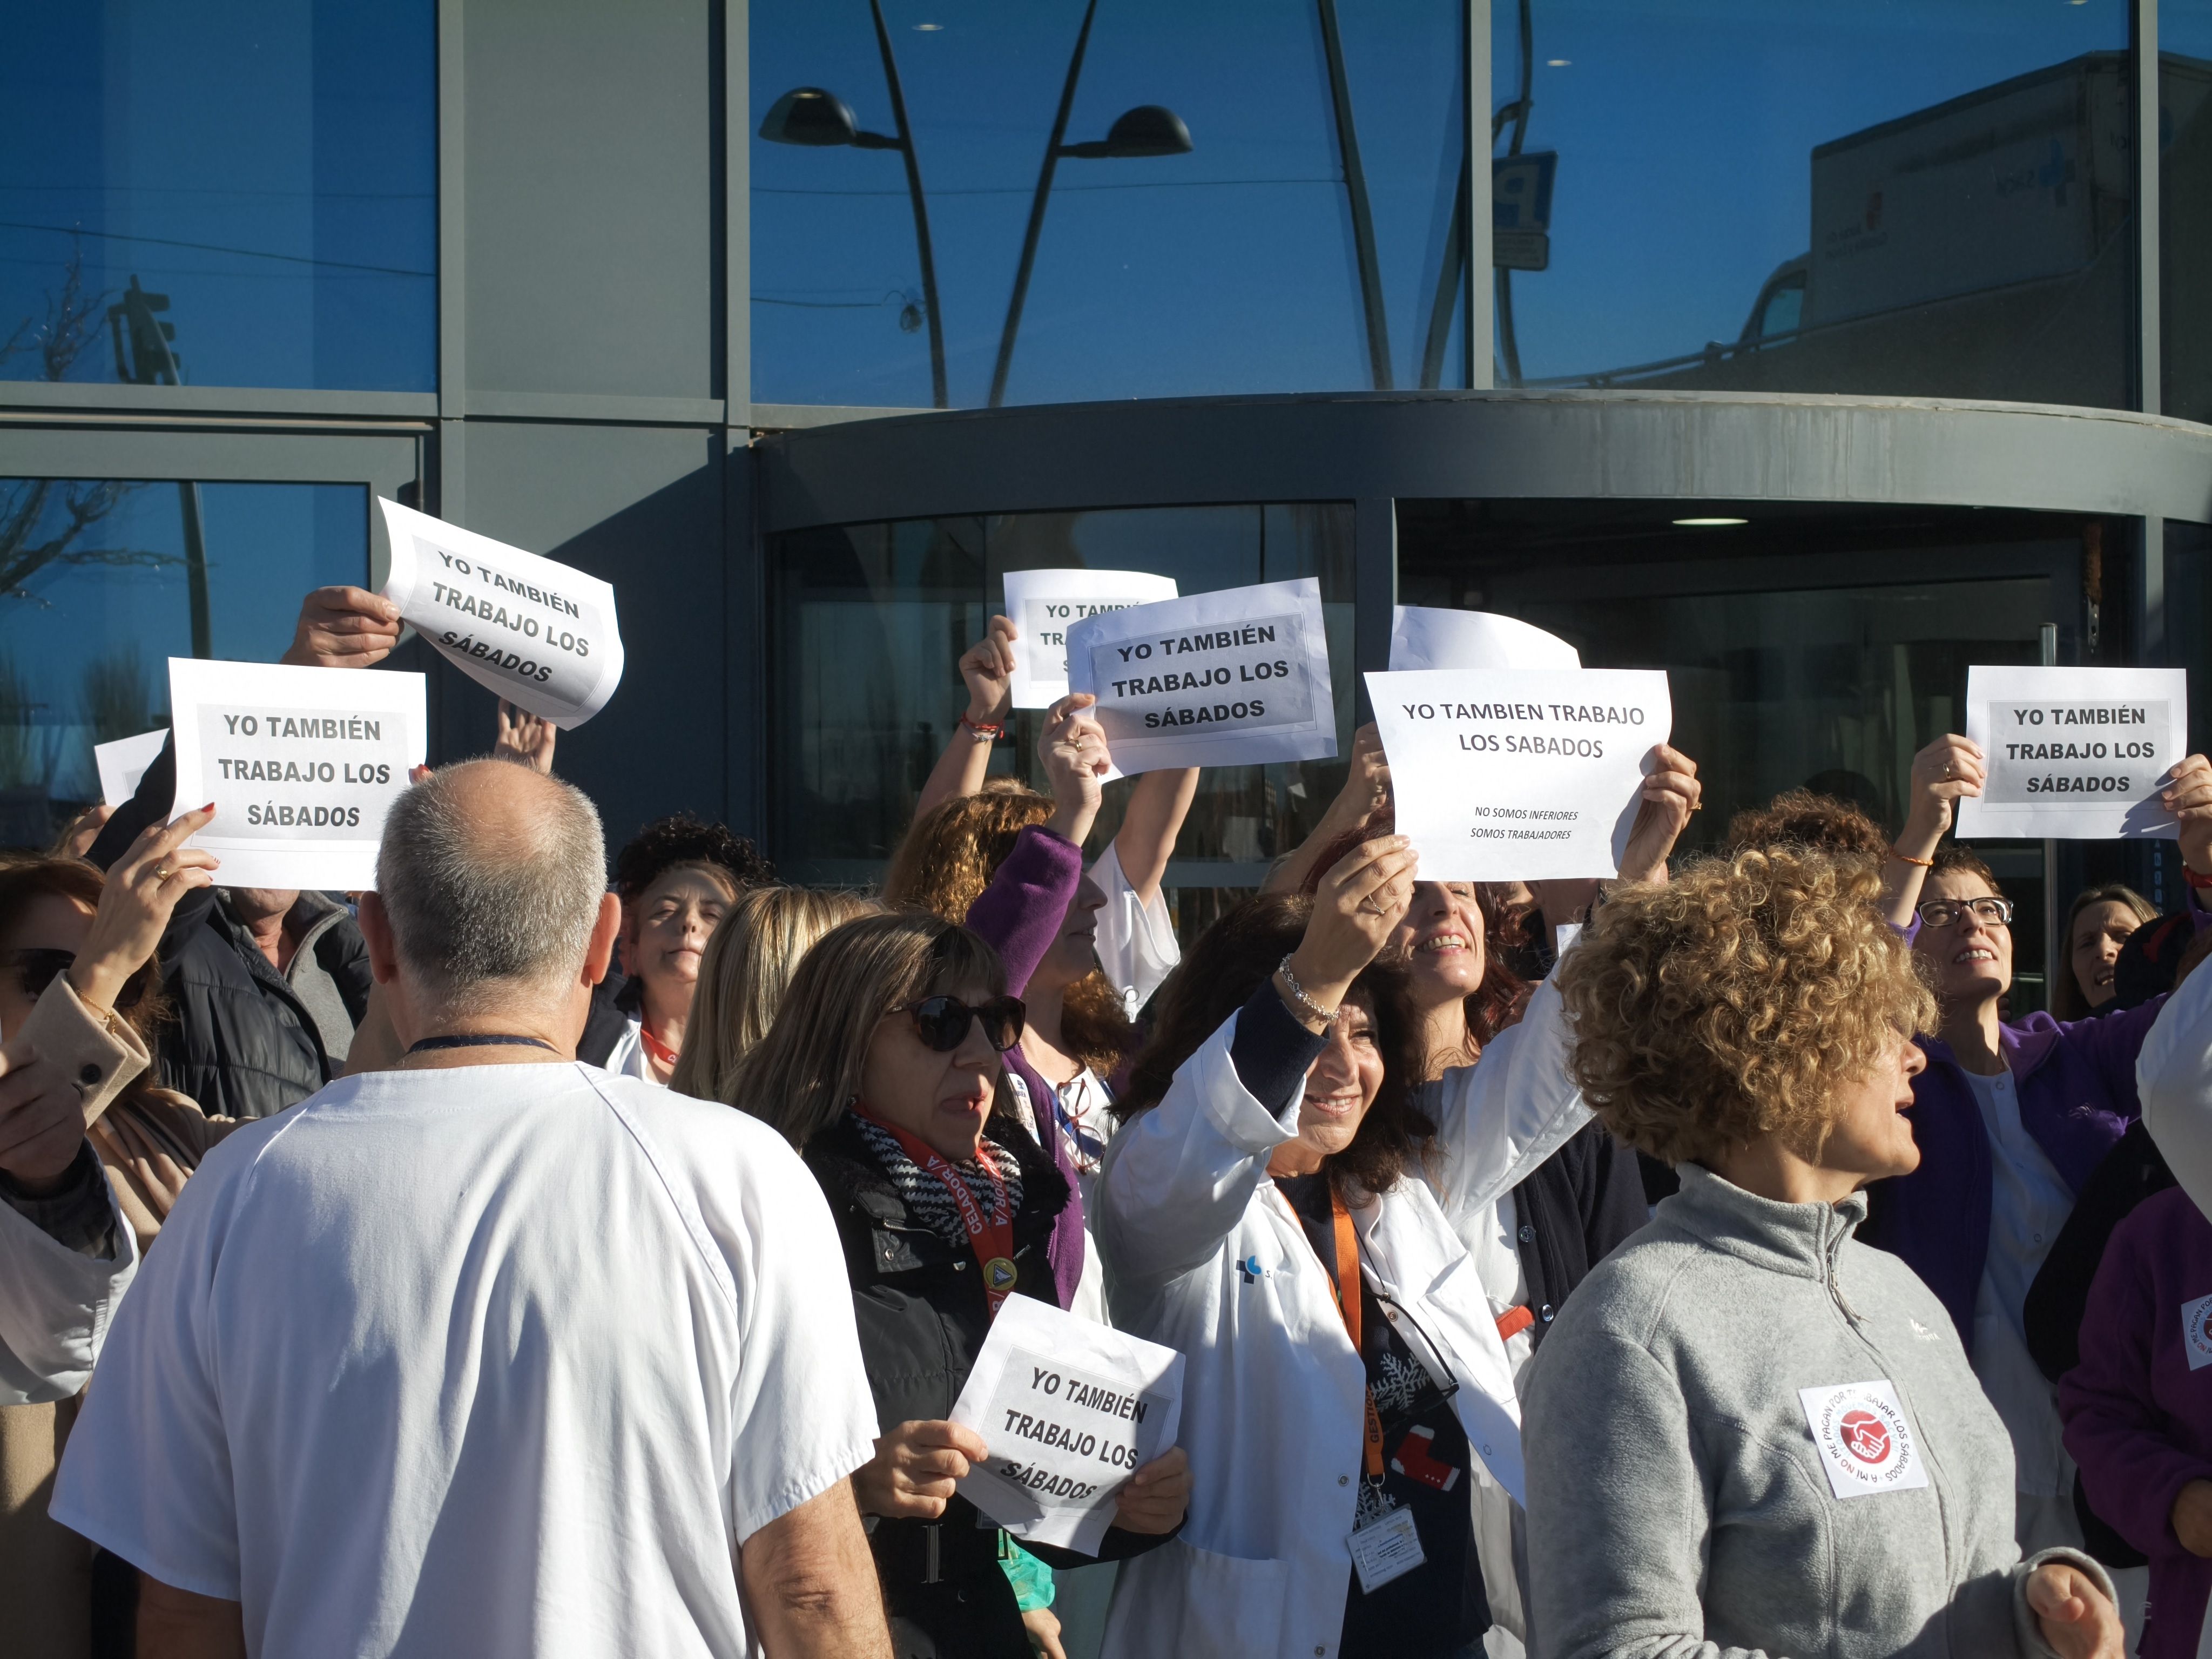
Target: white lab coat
x=1204 y=1254
x=2174 y=1080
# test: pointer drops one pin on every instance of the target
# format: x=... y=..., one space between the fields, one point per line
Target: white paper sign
x=1519 y=776
x=1070 y=1410
x=541 y=634
x=123 y=762
x=301 y=763
x=1228 y=678
x=1044 y=604
x=1422 y=636
x=1865 y=1441
x=2075 y=753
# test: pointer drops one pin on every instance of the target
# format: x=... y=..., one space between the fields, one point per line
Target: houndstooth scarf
x=924 y=1195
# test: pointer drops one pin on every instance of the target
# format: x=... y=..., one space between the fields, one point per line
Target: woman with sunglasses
x=883 y=1069
x=79 y=986
x=2012 y=1117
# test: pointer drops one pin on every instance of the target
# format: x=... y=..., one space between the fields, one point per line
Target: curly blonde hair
x=1727 y=1005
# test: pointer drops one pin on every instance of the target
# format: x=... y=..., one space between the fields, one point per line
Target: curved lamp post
x=818 y=119
x=1147 y=130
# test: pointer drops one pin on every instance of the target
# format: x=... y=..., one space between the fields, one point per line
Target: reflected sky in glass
x=1228 y=269
x=271 y=166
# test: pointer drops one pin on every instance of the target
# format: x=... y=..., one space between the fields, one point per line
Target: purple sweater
x=1020 y=913
x=2076 y=1083
x=2138 y=1419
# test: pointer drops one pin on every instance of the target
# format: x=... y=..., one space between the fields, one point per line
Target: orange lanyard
x=1348 y=1304
x=991 y=1237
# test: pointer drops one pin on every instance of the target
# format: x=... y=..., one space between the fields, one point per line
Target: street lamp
x=1147 y=130
x=814 y=118
x=153 y=361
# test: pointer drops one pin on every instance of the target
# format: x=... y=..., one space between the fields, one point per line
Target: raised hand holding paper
x=123 y=762
x=1045 y=604
x=1227 y=678
x=540 y=635
x=2075 y=753
x=1070 y=1409
x=1424 y=636
x=1512 y=776
x=301 y=763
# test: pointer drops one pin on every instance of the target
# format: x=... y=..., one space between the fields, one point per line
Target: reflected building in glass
x=1812 y=353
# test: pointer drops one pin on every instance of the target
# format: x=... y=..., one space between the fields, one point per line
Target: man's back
x=496 y=1359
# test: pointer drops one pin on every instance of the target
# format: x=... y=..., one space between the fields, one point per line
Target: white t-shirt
x=492 y=1360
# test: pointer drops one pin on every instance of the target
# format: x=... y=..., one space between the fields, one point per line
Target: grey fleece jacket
x=1678 y=1507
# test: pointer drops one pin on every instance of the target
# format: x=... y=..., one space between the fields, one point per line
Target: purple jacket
x=2138 y=1420
x=2076 y=1083
x=1020 y=913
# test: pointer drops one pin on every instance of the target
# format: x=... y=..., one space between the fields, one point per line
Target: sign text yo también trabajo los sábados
x=2073 y=753
x=1044 y=604
x=301 y=763
x=1232 y=678
x=1510 y=774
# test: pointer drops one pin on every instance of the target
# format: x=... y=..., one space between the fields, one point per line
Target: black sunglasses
x=39 y=968
x=942 y=1021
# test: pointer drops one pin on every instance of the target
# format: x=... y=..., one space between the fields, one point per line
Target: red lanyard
x=653 y=1046
x=991 y=1238
x=1348 y=1303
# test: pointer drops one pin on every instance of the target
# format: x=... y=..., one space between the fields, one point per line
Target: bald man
x=491 y=1352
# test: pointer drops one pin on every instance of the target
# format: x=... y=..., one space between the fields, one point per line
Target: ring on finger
x=162 y=872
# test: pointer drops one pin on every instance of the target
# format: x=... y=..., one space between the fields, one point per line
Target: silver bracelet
x=1326 y=1015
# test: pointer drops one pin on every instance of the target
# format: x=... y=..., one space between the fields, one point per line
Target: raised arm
x=1023 y=908
x=1945 y=772
x=1179 y=1178
x=988 y=669
x=1498 y=1119
x=1362 y=807
x=1158 y=803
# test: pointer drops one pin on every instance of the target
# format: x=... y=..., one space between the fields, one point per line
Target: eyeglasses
x=39 y=968
x=942 y=1021
x=1946 y=913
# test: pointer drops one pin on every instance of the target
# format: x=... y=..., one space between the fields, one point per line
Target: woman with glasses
x=2012 y=1118
x=883 y=1068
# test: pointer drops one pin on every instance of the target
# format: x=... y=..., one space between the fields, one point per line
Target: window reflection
x=97 y=592
x=2184 y=137
x=1240 y=263
x=872 y=619
x=1912 y=197
x=238 y=193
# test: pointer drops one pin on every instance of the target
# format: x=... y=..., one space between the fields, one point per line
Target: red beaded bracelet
x=990 y=730
x=2194 y=879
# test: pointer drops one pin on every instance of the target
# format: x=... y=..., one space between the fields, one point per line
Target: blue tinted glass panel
x=96 y=594
x=873 y=619
x=2184 y=136
x=1949 y=183
x=1235 y=266
x=237 y=193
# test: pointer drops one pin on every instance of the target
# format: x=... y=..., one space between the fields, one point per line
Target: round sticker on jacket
x=2196 y=1331
x=1865 y=1441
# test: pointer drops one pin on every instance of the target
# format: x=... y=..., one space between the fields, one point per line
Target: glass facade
x=2184 y=136
x=102 y=581
x=242 y=193
x=1202 y=232
x=1906 y=197
x=871 y=619
x=1813 y=648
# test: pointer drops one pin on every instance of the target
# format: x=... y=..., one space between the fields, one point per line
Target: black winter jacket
x=239 y=1039
x=919 y=1302
x=1574 y=1208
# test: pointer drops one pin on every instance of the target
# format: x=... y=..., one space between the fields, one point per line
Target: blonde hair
x=802 y=1075
x=743 y=976
x=1728 y=1004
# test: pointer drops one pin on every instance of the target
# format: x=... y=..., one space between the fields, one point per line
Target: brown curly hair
x=1798 y=817
x=669 y=843
x=943 y=867
x=1727 y=1005
x=1230 y=960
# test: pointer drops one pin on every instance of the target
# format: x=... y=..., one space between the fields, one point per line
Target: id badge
x=1387 y=1548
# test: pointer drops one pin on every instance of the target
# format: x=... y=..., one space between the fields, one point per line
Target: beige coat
x=148 y=1143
